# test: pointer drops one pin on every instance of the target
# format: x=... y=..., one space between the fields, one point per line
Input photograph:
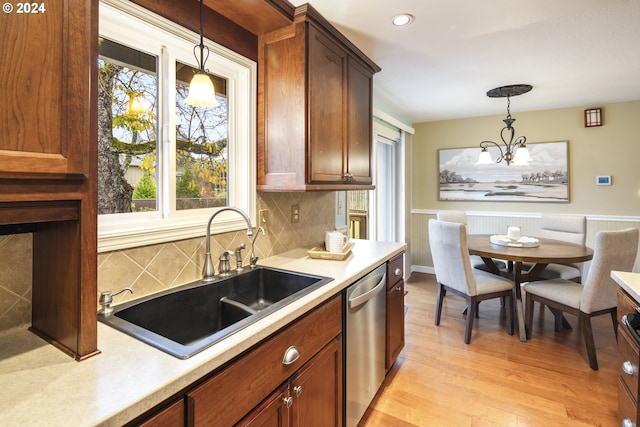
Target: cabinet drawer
x=628 y=353
x=627 y=406
x=626 y=304
x=173 y=416
x=395 y=270
x=238 y=388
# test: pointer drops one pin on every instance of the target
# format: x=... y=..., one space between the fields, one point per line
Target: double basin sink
x=185 y=320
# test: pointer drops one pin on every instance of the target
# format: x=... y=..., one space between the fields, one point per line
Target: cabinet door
x=317 y=389
x=327 y=97
x=395 y=323
x=273 y=412
x=359 y=119
x=46 y=86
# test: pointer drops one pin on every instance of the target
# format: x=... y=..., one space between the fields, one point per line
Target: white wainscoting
x=497 y=223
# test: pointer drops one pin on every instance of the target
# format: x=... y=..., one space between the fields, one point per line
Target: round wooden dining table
x=547 y=252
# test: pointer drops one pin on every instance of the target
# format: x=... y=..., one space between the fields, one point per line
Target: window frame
x=170 y=43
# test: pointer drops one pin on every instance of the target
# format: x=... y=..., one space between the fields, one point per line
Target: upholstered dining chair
x=570 y=228
x=448 y=242
x=461 y=218
x=614 y=250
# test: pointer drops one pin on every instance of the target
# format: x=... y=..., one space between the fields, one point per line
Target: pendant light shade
x=484 y=158
x=201 y=90
x=522 y=156
x=138 y=105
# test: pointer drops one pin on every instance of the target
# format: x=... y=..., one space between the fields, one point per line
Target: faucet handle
x=223 y=265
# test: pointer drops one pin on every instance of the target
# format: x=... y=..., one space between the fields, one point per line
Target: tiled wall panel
x=154 y=268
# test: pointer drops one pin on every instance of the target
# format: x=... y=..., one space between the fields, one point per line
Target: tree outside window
x=129 y=179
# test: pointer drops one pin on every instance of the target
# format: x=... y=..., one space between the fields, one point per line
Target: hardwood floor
x=496 y=380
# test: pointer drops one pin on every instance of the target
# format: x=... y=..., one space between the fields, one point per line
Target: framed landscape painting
x=545 y=179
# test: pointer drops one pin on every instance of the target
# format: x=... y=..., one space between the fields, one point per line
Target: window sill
x=112 y=237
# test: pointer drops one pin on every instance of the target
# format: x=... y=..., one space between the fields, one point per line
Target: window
x=164 y=166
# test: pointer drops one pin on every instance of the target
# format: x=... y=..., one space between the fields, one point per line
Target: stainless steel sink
x=185 y=320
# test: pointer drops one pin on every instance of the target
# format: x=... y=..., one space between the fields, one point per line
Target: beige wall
x=612 y=149
x=154 y=268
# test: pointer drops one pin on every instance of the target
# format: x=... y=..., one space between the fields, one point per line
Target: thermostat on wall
x=603 y=180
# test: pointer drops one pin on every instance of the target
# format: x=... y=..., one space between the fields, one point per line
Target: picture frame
x=544 y=179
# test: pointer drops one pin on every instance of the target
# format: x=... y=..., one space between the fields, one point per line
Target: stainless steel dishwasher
x=365 y=342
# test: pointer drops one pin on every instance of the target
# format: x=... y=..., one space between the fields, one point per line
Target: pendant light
x=516 y=151
x=137 y=105
x=201 y=90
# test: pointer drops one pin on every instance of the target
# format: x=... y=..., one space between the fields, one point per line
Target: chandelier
x=201 y=90
x=515 y=151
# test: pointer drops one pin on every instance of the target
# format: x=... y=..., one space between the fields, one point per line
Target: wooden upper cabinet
x=314 y=108
x=44 y=95
x=327 y=118
x=359 y=122
x=48 y=160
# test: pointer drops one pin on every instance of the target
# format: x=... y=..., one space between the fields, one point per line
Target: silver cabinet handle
x=297 y=390
x=290 y=355
x=628 y=423
x=629 y=368
x=398 y=272
x=348 y=175
x=288 y=401
x=399 y=288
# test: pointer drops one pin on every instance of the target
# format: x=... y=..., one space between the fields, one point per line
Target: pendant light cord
x=201 y=45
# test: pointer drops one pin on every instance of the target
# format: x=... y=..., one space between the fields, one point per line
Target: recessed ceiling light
x=402 y=19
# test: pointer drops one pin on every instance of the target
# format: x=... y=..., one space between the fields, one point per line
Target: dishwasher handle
x=361 y=299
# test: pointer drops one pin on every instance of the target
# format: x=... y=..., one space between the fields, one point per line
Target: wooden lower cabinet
x=273 y=412
x=395 y=323
x=249 y=390
x=317 y=390
x=312 y=398
x=628 y=362
x=395 y=310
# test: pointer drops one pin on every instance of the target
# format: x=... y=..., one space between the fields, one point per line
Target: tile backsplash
x=15 y=279
x=150 y=269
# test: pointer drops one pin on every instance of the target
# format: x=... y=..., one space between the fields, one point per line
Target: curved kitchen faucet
x=208 y=271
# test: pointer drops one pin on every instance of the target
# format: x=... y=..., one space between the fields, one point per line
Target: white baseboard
x=422 y=269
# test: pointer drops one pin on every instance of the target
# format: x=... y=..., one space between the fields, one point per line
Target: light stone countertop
x=40 y=385
x=630 y=282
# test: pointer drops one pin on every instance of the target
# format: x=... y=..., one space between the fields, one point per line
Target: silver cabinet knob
x=290 y=355
x=628 y=423
x=297 y=390
x=629 y=368
x=348 y=175
x=398 y=272
x=288 y=401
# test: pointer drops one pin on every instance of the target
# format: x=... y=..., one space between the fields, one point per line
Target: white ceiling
x=573 y=52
